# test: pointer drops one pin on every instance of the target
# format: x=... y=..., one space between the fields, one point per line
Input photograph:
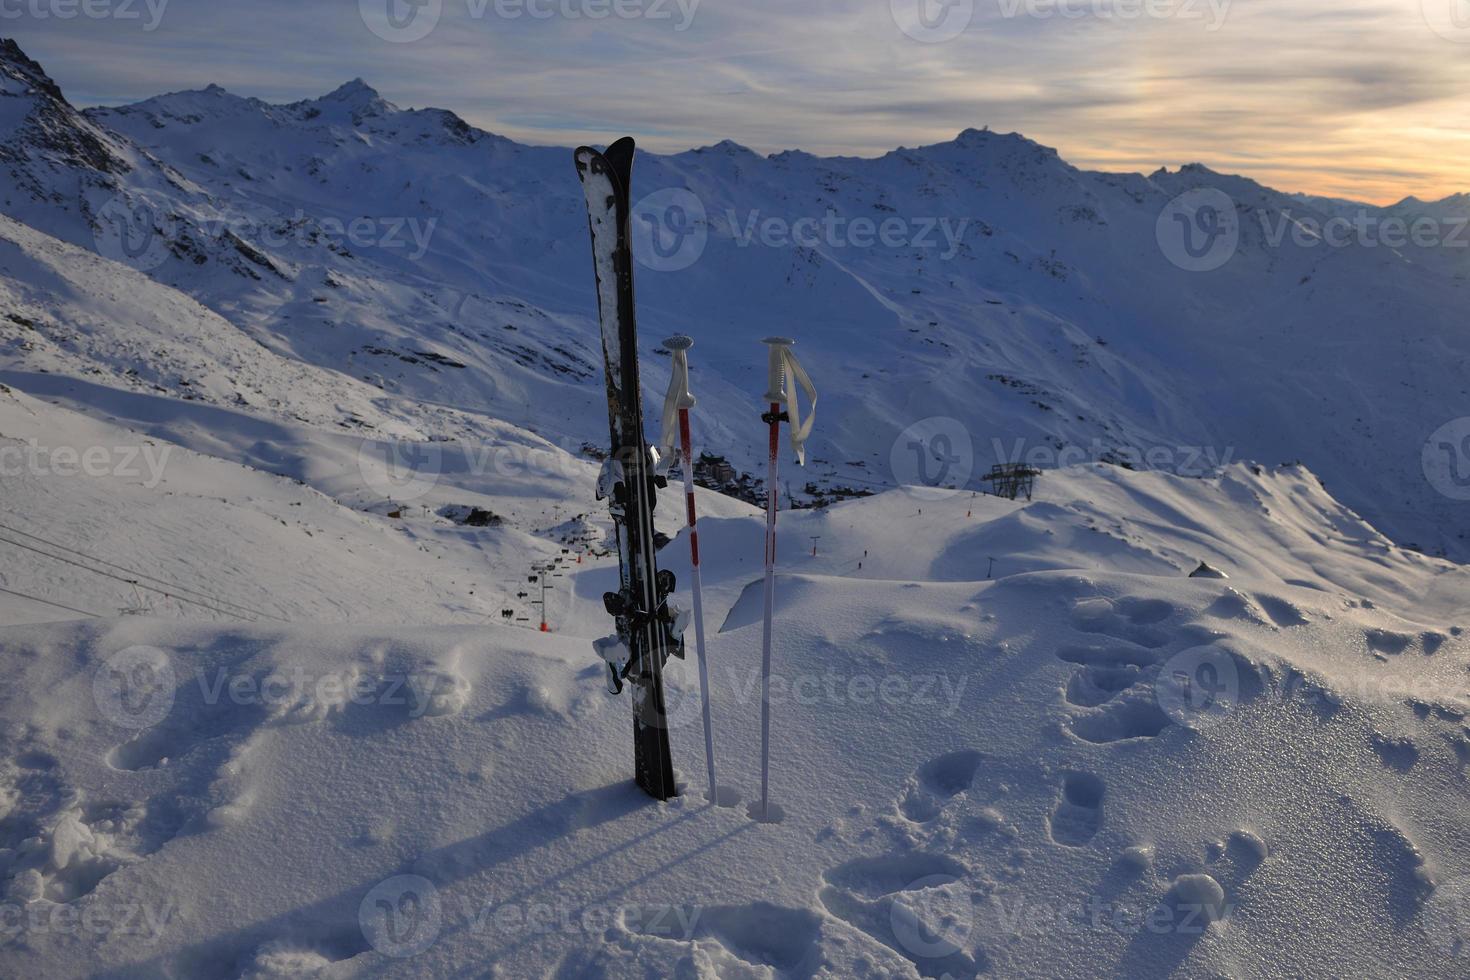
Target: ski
x=647 y=626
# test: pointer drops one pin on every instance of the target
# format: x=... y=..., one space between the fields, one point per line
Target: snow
x=290 y=733
x=973 y=773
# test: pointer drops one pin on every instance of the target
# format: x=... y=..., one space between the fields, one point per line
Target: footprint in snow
x=1078 y=814
x=759 y=934
x=1282 y=612
x=1135 y=715
x=937 y=782
x=1130 y=618
x=916 y=904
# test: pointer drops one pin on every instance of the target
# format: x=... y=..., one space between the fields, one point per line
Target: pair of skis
x=649 y=628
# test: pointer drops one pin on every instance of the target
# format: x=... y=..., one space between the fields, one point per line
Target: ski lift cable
x=127 y=581
x=141 y=575
x=48 y=602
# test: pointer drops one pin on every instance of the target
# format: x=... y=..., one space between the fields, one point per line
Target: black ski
x=646 y=633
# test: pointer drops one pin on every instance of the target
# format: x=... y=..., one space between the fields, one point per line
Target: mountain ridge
x=1021 y=301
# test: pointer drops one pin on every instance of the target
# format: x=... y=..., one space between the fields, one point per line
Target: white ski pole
x=783 y=371
x=677 y=404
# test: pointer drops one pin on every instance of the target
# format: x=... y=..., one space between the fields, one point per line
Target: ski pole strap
x=678 y=397
x=785 y=369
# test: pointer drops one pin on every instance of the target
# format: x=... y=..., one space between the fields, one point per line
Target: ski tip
x=778 y=341
x=584 y=155
x=679 y=341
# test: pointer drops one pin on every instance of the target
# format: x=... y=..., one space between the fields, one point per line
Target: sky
x=1364 y=99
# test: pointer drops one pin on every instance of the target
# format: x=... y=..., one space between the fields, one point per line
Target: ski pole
x=680 y=400
x=782 y=367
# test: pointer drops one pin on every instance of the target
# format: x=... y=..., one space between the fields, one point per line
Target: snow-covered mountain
x=1011 y=738
x=1041 y=307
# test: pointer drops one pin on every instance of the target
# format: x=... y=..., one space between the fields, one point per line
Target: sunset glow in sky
x=1356 y=98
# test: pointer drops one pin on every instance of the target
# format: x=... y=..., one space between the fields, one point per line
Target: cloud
x=1358 y=97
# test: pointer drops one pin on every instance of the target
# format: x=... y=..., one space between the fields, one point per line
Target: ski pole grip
x=776 y=377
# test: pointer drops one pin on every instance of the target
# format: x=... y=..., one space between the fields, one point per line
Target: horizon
x=1289 y=98
x=763 y=152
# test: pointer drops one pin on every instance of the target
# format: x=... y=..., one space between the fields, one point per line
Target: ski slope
x=977 y=776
